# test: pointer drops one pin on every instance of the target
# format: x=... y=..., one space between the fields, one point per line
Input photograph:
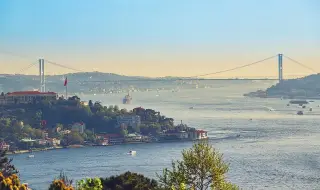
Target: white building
x=130 y=138
x=78 y=127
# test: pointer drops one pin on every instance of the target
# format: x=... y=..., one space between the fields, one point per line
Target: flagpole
x=66 y=85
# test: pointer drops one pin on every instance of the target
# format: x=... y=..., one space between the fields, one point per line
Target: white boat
x=31 y=156
x=132 y=152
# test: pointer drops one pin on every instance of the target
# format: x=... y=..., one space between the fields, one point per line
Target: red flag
x=65 y=82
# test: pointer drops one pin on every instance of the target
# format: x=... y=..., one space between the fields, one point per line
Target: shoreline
x=284 y=98
x=84 y=146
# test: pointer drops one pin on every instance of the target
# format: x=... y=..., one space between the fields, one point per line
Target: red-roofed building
x=25 y=97
x=198 y=135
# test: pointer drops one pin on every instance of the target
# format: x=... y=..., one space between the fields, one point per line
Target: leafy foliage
x=89 y=184
x=11 y=182
x=128 y=180
x=73 y=138
x=201 y=168
x=61 y=183
x=6 y=168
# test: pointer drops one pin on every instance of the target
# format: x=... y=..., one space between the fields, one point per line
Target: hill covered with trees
x=306 y=87
x=19 y=121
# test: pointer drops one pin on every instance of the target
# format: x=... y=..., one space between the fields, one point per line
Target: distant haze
x=160 y=38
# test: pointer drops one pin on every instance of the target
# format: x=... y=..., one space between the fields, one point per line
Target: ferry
x=127 y=99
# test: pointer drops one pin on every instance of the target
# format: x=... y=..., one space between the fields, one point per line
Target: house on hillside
x=4 y=146
x=79 y=127
x=25 y=97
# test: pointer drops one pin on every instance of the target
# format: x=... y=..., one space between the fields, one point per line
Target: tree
x=61 y=183
x=74 y=98
x=6 y=168
x=124 y=132
x=90 y=184
x=201 y=168
x=73 y=138
x=123 y=111
x=116 y=108
x=90 y=103
x=128 y=180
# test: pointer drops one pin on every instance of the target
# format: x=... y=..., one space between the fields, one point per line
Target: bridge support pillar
x=280 y=67
x=41 y=75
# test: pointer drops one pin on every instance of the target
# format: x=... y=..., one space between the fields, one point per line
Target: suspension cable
x=302 y=65
x=235 y=68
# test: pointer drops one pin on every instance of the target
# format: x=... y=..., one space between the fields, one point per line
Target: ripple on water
x=275 y=150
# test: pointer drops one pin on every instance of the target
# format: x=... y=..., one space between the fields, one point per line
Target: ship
x=127 y=99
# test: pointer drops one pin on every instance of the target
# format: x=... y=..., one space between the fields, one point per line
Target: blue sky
x=163 y=29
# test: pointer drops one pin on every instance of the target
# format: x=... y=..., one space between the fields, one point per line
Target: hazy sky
x=160 y=37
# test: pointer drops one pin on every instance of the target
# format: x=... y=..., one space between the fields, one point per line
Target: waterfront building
x=25 y=97
x=45 y=135
x=132 y=138
x=102 y=139
x=112 y=138
x=174 y=135
x=198 y=135
x=53 y=142
x=78 y=127
x=42 y=142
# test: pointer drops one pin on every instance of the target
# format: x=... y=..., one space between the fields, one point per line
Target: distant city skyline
x=160 y=38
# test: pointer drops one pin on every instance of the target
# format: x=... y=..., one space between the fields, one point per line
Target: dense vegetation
x=201 y=168
x=20 y=121
x=294 y=88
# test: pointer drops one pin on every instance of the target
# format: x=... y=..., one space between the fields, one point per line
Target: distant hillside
x=307 y=87
x=77 y=81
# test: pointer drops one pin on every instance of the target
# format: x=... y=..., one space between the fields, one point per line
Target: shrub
x=11 y=182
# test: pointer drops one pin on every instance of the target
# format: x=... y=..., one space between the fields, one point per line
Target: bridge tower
x=280 y=67
x=42 y=76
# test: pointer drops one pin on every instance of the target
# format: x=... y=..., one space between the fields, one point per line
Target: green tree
x=124 y=132
x=110 y=109
x=89 y=184
x=62 y=182
x=116 y=109
x=123 y=111
x=128 y=180
x=90 y=103
x=73 y=138
x=6 y=168
x=201 y=168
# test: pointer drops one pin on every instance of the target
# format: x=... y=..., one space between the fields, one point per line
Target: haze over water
x=276 y=149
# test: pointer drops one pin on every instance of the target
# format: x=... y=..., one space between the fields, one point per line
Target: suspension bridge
x=279 y=63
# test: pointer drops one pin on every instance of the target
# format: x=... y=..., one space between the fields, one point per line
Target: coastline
x=83 y=146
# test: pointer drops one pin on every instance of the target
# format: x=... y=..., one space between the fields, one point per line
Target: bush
x=201 y=167
x=61 y=183
x=128 y=180
x=11 y=182
x=89 y=184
